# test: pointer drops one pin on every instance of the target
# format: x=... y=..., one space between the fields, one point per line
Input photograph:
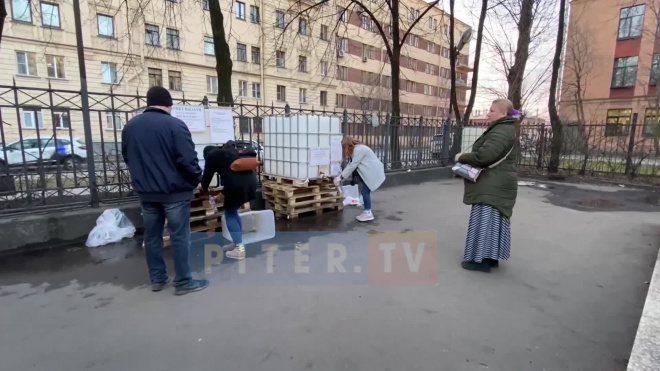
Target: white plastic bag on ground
x=111 y=226
x=352 y=196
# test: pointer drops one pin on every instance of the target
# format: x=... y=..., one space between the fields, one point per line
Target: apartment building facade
x=612 y=66
x=328 y=58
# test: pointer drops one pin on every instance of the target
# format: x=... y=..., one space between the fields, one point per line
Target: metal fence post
x=541 y=149
x=444 y=160
x=84 y=100
x=344 y=122
x=419 y=142
x=386 y=144
x=631 y=147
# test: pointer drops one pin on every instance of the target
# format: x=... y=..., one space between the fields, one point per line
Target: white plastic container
x=288 y=140
x=258 y=225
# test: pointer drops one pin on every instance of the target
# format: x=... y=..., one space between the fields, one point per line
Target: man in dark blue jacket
x=161 y=158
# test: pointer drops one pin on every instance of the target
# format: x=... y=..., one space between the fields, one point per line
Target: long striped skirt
x=488 y=236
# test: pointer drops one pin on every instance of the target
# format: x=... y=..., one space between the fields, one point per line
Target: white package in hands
x=112 y=226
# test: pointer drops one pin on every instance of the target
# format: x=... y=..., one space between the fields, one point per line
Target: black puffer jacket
x=238 y=187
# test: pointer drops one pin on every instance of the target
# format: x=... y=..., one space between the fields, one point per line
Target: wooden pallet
x=303 y=183
x=295 y=212
x=291 y=201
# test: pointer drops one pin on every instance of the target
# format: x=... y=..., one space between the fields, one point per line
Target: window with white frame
x=368 y=51
x=342 y=73
x=61 y=119
x=21 y=10
x=26 y=63
x=242 y=88
x=241 y=52
x=413 y=14
x=254 y=14
x=209 y=46
x=173 y=40
x=410 y=86
x=113 y=120
x=256 y=90
x=343 y=44
x=212 y=84
x=340 y=100
x=430 y=47
x=302 y=26
x=256 y=55
x=174 y=78
x=343 y=14
x=280 y=59
x=109 y=73
x=32 y=118
x=631 y=21
x=429 y=68
x=427 y=90
x=302 y=63
x=240 y=10
x=367 y=23
x=105 y=25
x=50 y=15
x=302 y=95
x=281 y=93
x=324 y=33
x=324 y=98
x=323 y=68
x=152 y=35
x=55 y=66
x=279 y=19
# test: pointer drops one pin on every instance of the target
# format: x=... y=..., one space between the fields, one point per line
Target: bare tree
x=555 y=122
x=578 y=67
x=223 y=61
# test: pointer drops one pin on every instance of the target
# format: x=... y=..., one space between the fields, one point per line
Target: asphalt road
x=569 y=299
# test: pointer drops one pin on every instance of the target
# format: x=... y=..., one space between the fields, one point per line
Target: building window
x=302 y=95
x=429 y=69
x=324 y=33
x=209 y=47
x=340 y=100
x=55 y=66
x=61 y=119
x=343 y=44
x=367 y=23
x=279 y=19
x=280 y=58
x=445 y=52
x=26 y=63
x=240 y=10
x=242 y=88
x=651 y=123
x=152 y=35
x=212 y=84
x=173 y=39
x=387 y=82
x=323 y=67
x=174 y=78
x=430 y=47
x=655 y=70
x=241 y=52
x=32 y=119
x=625 y=72
x=433 y=23
x=343 y=15
x=618 y=121
x=413 y=14
x=206 y=5
x=21 y=10
x=631 y=21
x=342 y=74
x=368 y=78
x=105 y=25
x=256 y=55
x=412 y=40
x=281 y=93
x=256 y=90
x=324 y=98
x=50 y=15
x=428 y=90
x=302 y=63
x=410 y=86
x=254 y=14
x=302 y=26
x=155 y=77
x=113 y=121
x=109 y=73
x=368 y=51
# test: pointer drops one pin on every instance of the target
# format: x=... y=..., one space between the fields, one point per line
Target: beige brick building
x=322 y=60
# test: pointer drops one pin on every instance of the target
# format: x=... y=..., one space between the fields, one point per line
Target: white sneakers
x=237 y=253
x=366 y=216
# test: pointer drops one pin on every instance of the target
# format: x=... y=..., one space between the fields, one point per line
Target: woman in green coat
x=493 y=195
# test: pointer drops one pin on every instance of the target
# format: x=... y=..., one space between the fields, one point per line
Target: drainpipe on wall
x=263 y=51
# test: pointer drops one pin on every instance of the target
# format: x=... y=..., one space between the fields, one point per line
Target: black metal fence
x=47 y=157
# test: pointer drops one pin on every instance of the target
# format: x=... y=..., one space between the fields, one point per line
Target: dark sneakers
x=192 y=286
x=155 y=287
x=474 y=266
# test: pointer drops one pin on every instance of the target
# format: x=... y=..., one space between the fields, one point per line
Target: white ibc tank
x=288 y=140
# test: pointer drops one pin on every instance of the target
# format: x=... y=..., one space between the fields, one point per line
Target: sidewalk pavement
x=570 y=298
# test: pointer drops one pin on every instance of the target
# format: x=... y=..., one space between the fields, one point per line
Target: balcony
x=461 y=85
x=463 y=67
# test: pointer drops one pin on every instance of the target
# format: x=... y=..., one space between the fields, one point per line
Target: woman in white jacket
x=369 y=168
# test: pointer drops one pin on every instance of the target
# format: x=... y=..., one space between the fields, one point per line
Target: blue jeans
x=234 y=224
x=366 y=196
x=178 y=223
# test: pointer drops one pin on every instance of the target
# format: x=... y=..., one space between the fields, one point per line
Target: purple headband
x=515 y=112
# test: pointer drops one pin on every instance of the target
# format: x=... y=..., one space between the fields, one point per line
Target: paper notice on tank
x=319 y=156
x=335 y=148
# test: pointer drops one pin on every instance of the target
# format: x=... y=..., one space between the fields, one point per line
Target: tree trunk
x=555 y=122
x=477 y=59
x=458 y=135
x=223 y=61
x=395 y=120
x=3 y=15
x=517 y=71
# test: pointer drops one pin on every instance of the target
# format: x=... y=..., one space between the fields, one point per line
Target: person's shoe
x=474 y=266
x=229 y=247
x=237 y=253
x=366 y=216
x=494 y=263
x=155 y=287
x=192 y=286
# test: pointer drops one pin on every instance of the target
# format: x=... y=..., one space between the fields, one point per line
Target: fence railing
x=45 y=160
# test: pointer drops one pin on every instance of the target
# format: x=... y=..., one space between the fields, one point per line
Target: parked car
x=69 y=153
x=436 y=146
